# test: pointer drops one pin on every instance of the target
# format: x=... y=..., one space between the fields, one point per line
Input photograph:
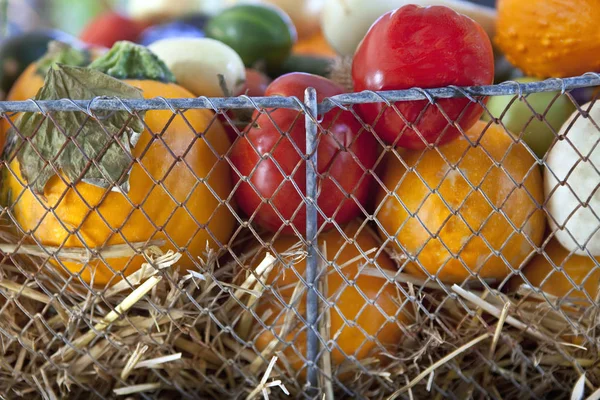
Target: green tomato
x=257 y=32
x=521 y=121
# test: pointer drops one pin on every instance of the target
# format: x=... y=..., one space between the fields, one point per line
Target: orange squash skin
x=374 y=329
x=582 y=270
x=435 y=215
x=550 y=38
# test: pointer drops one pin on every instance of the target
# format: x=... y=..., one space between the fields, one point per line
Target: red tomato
x=109 y=28
x=340 y=174
x=426 y=47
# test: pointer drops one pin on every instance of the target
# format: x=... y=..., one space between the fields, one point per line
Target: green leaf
x=52 y=139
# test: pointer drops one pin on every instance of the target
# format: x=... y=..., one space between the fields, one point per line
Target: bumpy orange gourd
x=582 y=270
x=451 y=222
x=350 y=302
x=550 y=38
x=179 y=208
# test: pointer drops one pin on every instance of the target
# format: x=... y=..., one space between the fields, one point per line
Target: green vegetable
x=260 y=34
x=522 y=121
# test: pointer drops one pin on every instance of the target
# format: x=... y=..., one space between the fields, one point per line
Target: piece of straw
x=78 y=254
x=499 y=327
x=495 y=311
x=155 y=362
x=133 y=360
x=25 y=291
x=144 y=387
x=125 y=305
x=594 y=396
x=438 y=364
x=265 y=265
x=263 y=386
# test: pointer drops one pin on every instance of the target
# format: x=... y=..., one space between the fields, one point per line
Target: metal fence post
x=312 y=299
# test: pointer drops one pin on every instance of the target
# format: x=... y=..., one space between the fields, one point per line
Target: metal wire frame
x=108 y=104
x=311 y=109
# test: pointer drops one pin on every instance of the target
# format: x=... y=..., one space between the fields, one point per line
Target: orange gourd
x=550 y=38
x=441 y=211
x=169 y=197
x=553 y=272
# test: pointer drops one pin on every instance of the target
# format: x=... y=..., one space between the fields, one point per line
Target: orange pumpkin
x=550 y=38
x=553 y=272
x=441 y=211
x=374 y=330
x=169 y=198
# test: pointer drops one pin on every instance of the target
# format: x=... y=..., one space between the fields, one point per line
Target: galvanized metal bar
x=104 y=104
x=312 y=298
x=112 y=104
x=505 y=88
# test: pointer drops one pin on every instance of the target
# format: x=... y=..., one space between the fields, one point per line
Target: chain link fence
x=319 y=262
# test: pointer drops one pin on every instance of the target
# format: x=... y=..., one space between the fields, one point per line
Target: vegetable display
x=93 y=205
x=424 y=223
x=370 y=301
x=424 y=47
x=571 y=181
x=265 y=157
x=520 y=116
x=452 y=245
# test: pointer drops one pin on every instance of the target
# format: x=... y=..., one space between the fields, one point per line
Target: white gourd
x=571 y=181
x=197 y=63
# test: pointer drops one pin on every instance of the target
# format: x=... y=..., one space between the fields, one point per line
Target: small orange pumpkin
x=177 y=185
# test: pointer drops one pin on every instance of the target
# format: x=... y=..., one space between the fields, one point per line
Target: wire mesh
x=318 y=257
